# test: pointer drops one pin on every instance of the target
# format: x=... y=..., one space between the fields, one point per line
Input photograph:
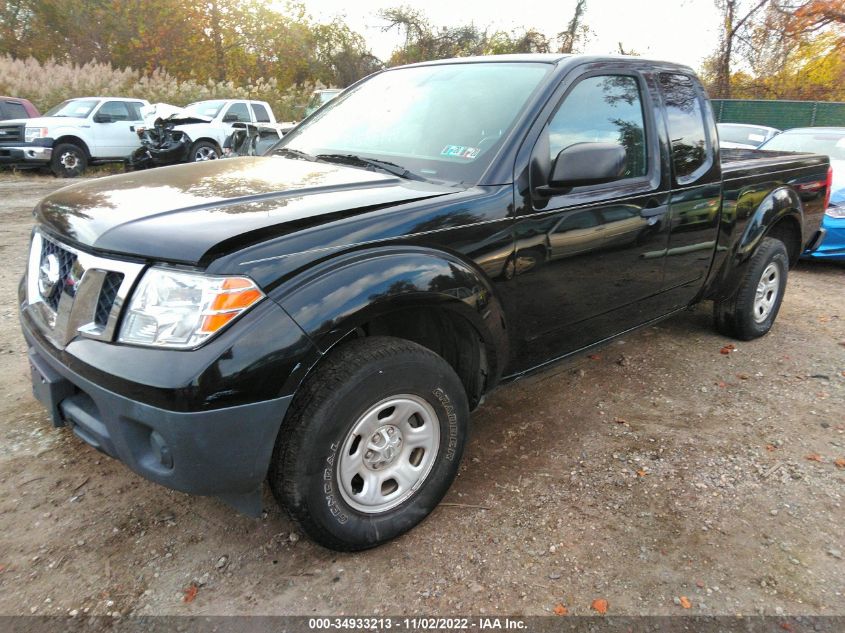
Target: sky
x=683 y=31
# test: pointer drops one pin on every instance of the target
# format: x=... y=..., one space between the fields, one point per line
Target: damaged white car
x=197 y=132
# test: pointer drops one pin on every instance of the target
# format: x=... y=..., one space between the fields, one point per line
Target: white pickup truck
x=73 y=135
x=197 y=132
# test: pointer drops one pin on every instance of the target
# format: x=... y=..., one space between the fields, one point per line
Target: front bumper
x=221 y=452
x=25 y=153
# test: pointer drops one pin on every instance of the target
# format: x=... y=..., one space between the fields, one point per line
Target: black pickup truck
x=327 y=315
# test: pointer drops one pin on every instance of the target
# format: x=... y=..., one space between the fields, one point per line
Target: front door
x=589 y=261
x=115 y=133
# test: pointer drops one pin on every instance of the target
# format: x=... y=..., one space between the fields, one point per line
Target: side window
x=134 y=110
x=685 y=118
x=260 y=113
x=12 y=110
x=116 y=109
x=237 y=112
x=603 y=109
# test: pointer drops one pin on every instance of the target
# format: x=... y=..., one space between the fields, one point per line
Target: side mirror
x=585 y=164
x=103 y=118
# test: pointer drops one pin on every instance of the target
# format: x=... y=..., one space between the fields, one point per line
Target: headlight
x=32 y=133
x=170 y=308
x=836 y=211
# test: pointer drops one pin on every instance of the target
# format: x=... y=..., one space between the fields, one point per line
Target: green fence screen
x=780 y=114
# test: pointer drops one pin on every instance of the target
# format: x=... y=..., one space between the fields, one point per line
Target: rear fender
x=338 y=296
x=757 y=223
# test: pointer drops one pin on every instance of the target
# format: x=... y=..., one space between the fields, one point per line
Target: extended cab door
x=696 y=198
x=590 y=259
x=114 y=128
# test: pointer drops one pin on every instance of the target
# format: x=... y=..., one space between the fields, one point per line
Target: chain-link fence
x=780 y=114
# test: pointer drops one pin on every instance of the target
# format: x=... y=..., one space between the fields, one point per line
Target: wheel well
x=75 y=140
x=444 y=332
x=788 y=231
x=206 y=140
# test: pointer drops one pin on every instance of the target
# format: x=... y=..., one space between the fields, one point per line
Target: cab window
x=117 y=110
x=237 y=112
x=685 y=120
x=603 y=109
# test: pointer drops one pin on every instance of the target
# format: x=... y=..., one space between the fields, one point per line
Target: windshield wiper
x=360 y=161
x=294 y=153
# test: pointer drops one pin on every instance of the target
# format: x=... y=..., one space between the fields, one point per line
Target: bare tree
x=573 y=32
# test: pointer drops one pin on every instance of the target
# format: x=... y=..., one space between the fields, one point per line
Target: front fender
x=343 y=293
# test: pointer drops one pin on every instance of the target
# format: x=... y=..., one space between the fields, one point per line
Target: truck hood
x=170 y=114
x=191 y=213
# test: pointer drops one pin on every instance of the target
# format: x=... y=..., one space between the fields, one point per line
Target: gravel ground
x=654 y=474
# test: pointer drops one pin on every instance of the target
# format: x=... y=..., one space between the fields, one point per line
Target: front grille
x=71 y=292
x=111 y=284
x=67 y=281
x=11 y=133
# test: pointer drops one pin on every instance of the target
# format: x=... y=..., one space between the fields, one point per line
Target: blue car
x=830 y=141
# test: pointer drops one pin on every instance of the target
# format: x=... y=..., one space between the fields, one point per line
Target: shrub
x=51 y=83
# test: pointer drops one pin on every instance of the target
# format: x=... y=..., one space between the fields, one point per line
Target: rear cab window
x=260 y=112
x=692 y=154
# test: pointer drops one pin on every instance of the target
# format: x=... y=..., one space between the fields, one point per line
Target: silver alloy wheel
x=69 y=160
x=205 y=153
x=767 y=292
x=388 y=453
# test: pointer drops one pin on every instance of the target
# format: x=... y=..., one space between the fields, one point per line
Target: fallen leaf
x=2 y=568
x=699 y=584
x=771 y=447
x=840 y=463
x=723 y=384
x=620 y=421
x=190 y=593
x=786 y=626
x=685 y=603
x=814 y=457
x=743 y=376
x=641 y=473
x=594 y=356
x=599 y=605
x=560 y=609
x=727 y=349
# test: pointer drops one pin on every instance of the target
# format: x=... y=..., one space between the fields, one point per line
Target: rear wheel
x=752 y=311
x=371 y=444
x=68 y=160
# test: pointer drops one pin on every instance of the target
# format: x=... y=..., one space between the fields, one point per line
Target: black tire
x=69 y=160
x=355 y=377
x=207 y=148
x=738 y=316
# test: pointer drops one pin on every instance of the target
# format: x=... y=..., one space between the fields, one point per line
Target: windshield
x=77 y=108
x=442 y=122
x=205 y=108
x=828 y=142
x=745 y=134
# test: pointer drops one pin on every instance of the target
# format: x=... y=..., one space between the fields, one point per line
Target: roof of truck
x=550 y=58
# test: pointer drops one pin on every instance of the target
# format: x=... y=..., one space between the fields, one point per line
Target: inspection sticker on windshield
x=460 y=151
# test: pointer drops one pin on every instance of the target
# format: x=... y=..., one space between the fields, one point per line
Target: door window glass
x=117 y=110
x=603 y=109
x=237 y=112
x=134 y=110
x=685 y=118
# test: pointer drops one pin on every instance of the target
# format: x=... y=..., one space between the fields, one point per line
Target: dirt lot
x=658 y=468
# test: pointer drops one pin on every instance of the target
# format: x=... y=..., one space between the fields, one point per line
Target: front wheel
x=752 y=311
x=371 y=444
x=68 y=160
x=204 y=150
